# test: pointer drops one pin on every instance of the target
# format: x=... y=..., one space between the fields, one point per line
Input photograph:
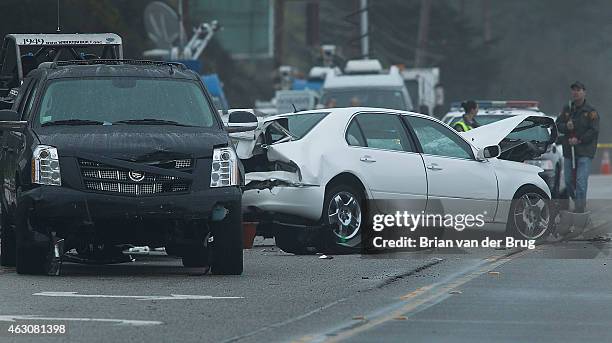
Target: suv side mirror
x=490 y=151
x=10 y=120
x=241 y=121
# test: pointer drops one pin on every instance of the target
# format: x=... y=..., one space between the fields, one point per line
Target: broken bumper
x=305 y=202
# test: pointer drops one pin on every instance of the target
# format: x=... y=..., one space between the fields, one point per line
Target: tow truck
x=22 y=53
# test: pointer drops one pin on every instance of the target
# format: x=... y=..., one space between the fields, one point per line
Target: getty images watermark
x=458 y=222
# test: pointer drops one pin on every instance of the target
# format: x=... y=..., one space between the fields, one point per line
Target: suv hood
x=131 y=142
x=520 y=137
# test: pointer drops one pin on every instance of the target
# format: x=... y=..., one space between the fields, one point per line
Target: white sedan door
x=458 y=184
x=392 y=169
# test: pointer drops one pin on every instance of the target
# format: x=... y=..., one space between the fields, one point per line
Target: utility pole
x=312 y=23
x=279 y=18
x=186 y=17
x=365 y=38
x=181 y=29
x=486 y=13
x=423 y=33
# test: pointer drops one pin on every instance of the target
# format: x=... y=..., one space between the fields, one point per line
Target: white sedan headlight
x=544 y=164
x=45 y=166
x=224 y=171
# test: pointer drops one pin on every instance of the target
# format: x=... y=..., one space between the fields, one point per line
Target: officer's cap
x=577 y=85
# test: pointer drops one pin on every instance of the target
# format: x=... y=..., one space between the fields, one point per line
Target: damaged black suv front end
x=114 y=154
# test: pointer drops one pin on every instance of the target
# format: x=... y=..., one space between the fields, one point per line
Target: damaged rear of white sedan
x=315 y=179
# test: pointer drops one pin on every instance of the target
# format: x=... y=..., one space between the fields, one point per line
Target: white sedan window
x=382 y=131
x=438 y=140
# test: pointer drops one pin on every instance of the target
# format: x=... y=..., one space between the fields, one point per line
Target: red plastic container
x=249 y=229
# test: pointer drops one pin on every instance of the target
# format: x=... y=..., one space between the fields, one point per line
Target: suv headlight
x=224 y=171
x=45 y=166
x=544 y=164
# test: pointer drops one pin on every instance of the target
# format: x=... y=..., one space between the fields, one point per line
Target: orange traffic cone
x=605 y=163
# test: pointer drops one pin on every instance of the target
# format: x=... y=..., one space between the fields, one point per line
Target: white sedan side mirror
x=490 y=151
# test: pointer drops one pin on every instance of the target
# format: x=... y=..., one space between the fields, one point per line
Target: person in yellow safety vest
x=468 y=122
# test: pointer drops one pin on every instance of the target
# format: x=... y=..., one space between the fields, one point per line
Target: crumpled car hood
x=514 y=149
x=494 y=133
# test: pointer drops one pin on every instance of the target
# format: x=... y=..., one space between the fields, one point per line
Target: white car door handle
x=433 y=166
x=367 y=159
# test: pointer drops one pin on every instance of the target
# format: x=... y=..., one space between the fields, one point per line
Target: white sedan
x=325 y=173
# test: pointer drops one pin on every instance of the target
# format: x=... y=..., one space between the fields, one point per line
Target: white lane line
x=137 y=297
x=126 y=322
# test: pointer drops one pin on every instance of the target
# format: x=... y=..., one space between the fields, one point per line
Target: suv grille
x=104 y=178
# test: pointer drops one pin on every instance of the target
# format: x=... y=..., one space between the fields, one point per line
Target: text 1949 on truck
x=101 y=154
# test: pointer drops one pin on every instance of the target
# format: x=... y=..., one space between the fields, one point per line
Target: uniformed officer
x=468 y=122
x=579 y=124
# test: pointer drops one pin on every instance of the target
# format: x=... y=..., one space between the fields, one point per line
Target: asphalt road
x=555 y=293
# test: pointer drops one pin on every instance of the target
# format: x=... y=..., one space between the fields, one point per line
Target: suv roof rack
x=54 y=65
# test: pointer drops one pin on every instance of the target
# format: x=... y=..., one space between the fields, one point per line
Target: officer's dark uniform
x=586 y=129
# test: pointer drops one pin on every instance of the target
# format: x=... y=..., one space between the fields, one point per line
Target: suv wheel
x=197 y=257
x=37 y=257
x=227 y=246
x=7 y=242
x=30 y=258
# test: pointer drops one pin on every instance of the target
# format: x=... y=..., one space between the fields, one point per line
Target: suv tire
x=8 y=244
x=30 y=258
x=198 y=257
x=226 y=254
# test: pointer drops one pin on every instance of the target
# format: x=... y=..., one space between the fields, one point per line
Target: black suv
x=103 y=154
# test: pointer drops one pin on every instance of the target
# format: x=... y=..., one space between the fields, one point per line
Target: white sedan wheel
x=344 y=215
x=531 y=215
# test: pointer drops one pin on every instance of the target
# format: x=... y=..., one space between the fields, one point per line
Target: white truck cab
x=365 y=83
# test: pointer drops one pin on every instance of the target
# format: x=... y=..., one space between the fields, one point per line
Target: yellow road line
x=439 y=292
x=604 y=145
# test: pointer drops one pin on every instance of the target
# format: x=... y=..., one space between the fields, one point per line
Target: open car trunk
x=521 y=137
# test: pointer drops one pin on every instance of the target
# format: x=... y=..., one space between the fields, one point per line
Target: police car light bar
x=487 y=104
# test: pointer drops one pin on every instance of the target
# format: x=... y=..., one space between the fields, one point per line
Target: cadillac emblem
x=136 y=176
